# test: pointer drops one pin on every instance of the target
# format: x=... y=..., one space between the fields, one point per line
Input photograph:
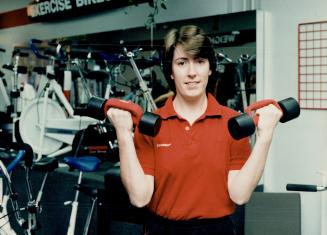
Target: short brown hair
x=194 y=41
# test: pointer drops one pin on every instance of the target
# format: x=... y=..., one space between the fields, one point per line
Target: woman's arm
x=138 y=185
x=241 y=183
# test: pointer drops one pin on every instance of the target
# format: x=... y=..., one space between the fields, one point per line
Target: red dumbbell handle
x=129 y=106
x=260 y=104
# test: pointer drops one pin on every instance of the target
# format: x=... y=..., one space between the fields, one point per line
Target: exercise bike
x=27 y=223
x=49 y=125
x=21 y=93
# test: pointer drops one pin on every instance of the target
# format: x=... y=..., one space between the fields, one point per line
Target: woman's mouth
x=192 y=84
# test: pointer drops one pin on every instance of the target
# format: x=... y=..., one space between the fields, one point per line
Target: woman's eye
x=180 y=63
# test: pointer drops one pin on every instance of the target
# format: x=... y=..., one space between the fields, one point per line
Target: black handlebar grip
x=29 y=154
x=22 y=69
x=24 y=54
x=34 y=40
x=8 y=66
x=39 y=70
x=301 y=187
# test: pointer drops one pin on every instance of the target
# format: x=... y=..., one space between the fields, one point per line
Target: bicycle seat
x=45 y=165
x=85 y=163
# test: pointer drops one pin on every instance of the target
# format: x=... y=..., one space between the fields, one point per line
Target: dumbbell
x=244 y=125
x=148 y=123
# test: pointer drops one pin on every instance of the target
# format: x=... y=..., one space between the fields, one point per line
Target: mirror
x=109 y=73
x=233 y=35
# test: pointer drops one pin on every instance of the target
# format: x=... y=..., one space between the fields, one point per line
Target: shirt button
x=187 y=128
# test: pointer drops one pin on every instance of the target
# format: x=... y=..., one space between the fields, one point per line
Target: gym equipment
x=83 y=164
x=245 y=124
x=49 y=124
x=45 y=126
x=18 y=79
x=151 y=106
x=242 y=77
x=272 y=213
x=21 y=92
x=98 y=140
x=148 y=123
x=321 y=188
x=235 y=88
x=305 y=187
x=3 y=91
x=115 y=210
x=129 y=55
x=28 y=221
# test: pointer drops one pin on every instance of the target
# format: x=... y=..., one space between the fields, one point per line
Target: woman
x=193 y=173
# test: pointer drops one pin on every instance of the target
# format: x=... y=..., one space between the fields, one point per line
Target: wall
x=299 y=148
x=127 y=17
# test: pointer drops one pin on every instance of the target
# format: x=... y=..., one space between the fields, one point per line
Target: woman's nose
x=191 y=70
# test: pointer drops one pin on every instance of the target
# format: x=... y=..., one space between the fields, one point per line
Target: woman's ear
x=172 y=77
x=210 y=72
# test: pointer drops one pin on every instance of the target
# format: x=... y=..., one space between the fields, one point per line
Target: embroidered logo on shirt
x=163 y=145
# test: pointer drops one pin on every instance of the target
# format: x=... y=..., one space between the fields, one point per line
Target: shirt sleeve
x=240 y=152
x=145 y=152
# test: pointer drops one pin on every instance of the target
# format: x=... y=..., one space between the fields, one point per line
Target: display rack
x=312 y=65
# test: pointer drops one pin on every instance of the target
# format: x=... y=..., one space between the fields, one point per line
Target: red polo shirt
x=190 y=164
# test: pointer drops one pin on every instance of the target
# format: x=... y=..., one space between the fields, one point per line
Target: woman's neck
x=190 y=109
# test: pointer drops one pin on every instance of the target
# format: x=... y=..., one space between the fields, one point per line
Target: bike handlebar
x=25 y=152
x=35 y=50
x=305 y=187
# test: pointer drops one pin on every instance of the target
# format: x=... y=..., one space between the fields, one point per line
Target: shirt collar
x=213 y=109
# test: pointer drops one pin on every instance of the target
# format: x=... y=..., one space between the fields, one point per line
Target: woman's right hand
x=120 y=119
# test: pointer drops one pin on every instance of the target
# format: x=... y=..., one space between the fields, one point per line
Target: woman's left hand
x=269 y=116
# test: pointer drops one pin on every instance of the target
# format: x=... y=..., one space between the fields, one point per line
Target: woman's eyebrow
x=181 y=58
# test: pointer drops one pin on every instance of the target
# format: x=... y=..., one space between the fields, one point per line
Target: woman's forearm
x=138 y=185
x=242 y=183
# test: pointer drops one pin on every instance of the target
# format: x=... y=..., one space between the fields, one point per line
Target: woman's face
x=189 y=74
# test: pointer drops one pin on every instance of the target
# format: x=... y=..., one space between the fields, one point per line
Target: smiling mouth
x=191 y=83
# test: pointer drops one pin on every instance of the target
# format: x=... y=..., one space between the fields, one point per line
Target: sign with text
x=58 y=9
x=233 y=38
